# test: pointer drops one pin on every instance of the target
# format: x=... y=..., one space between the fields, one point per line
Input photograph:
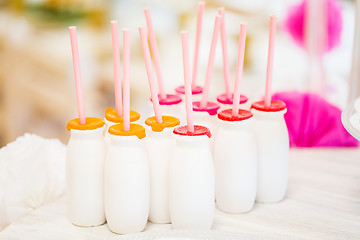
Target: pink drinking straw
x=116 y=60
x=322 y=42
x=155 y=53
x=226 y=67
x=76 y=63
x=270 y=61
x=187 y=80
x=200 y=15
x=150 y=74
x=210 y=65
x=126 y=72
x=239 y=69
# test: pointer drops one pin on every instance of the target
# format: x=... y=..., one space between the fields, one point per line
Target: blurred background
x=37 y=88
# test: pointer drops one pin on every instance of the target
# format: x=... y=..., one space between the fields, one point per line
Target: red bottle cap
x=198 y=131
x=226 y=115
x=222 y=98
x=275 y=106
x=170 y=99
x=195 y=90
x=211 y=107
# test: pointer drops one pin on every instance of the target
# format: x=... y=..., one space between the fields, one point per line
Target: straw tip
x=183 y=32
x=126 y=29
x=114 y=21
x=243 y=24
x=273 y=16
x=221 y=9
x=146 y=9
x=72 y=27
x=201 y=3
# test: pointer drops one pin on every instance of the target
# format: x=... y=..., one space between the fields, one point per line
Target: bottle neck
x=86 y=134
x=279 y=115
x=236 y=125
x=165 y=133
x=124 y=140
x=192 y=141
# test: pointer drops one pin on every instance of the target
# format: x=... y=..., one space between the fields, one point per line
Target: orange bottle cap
x=91 y=124
x=135 y=130
x=168 y=121
x=110 y=115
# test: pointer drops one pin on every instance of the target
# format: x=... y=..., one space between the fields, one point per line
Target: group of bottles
x=170 y=175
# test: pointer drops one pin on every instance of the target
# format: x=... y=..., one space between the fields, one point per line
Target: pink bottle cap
x=222 y=98
x=198 y=131
x=275 y=106
x=211 y=107
x=170 y=99
x=194 y=90
x=226 y=115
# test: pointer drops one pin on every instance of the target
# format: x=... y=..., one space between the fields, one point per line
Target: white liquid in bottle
x=127 y=187
x=192 y=183
x=235 y=157
x=160 y=146
x=85 y=176
x=273 y=149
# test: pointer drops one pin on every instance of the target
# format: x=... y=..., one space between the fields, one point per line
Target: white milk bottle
x=273 y=148
x=85 y=172
x=235 y=157
x=127 y=187
x=191 y=179
x=160 y=144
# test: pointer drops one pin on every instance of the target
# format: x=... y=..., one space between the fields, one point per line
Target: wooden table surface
x=322 y=202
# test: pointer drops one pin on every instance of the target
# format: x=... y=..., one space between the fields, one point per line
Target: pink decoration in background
x=226 y=66
x=187 y=80
x=126 y=72
x=150 y=74
x=200 y=15
x=294 y=23
x=313 y=122
x=270 y=61
x=116 y=60
x=78 y=84
x=155 y=52
x=239 y=69
x=210 y=65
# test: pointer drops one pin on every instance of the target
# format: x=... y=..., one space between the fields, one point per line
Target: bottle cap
x=170 y=99
x=110 y=115
x=198 y=131
x=135 y=130
x=275 y=106
x=211 y=107
x=91 y=124
x=194 y=90
x=222 y=98
x=168 y=121
x=226 y=115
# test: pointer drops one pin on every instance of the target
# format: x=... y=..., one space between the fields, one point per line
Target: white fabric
x=32 y=173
